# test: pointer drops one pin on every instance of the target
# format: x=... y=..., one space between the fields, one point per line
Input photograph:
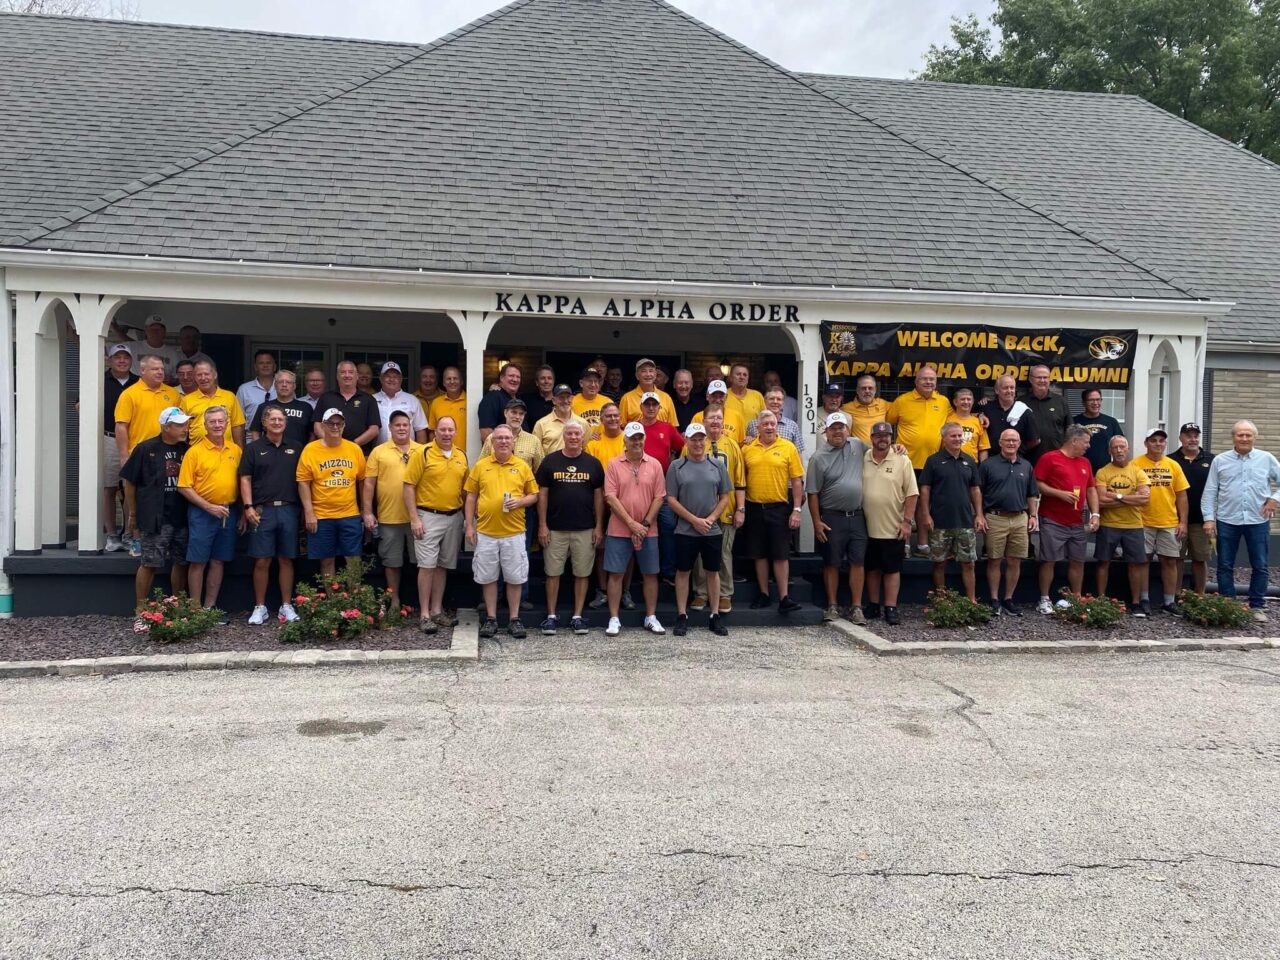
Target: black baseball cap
x=1189 y=428
x=561 y=388
x=515 y=403
x=834 y=388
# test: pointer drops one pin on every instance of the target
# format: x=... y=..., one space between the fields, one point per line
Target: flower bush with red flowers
x=1098 y=613
x=341 y=607
x=1213 y=610
x=172 y=619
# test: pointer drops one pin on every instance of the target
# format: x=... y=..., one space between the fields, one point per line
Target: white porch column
x=475 y=327
x=1138 y=402
x=809 y=357
x=53 y=436
x=91 y=314
x=36 y=341
x=1185 y=402
x=8 y=441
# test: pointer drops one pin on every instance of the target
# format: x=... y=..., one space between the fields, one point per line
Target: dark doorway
x=568 y=366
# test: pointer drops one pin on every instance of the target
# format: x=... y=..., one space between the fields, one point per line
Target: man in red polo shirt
x=1066 y=485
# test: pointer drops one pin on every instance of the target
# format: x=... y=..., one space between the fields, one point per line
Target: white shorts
x=441 y=541
x=506 y=553
x=110 y=463
x=1163 y=542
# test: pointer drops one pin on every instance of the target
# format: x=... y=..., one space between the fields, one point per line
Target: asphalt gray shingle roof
x=1147 y=183
x=613 y=138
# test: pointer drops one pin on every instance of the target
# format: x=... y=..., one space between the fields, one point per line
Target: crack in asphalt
x=690 y=852
x=962 y=711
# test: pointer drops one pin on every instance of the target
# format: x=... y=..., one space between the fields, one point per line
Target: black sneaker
x=787 y=604
x=1144 y=609
x=871 y=611
x=428 y=626
x=718 y=628
x=760 y=602
x=549 y=626
x=891 y=616
x=682 y=625
x=1172 y=609
x=489 y=629
x=1011 y=608
x=995 y=607
x=525 y=606
x=1139 y=611
x=515 y=628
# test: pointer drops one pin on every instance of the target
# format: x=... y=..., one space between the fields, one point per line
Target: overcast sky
x=874 y=38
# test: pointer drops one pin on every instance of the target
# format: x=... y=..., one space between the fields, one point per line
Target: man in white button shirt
x=391 y=398
x=254 y=393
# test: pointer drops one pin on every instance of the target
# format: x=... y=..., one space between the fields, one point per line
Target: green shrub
x=1213 y=610
x=340 y=607
x=948 y=609
x=172 y=619
x=1098 y=613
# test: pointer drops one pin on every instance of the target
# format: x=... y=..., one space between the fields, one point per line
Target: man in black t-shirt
x=155 y=511
x=361 y=421
x=297 y=413
x=268 y=482
x=1194 y=461
x=570 y=521
x=117 y=380
x=952 y=511
x=1100 y=426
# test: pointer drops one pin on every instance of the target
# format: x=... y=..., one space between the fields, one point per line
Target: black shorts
x=884 y=556
x=846 y=540
x=765 y=532
x=689 y=549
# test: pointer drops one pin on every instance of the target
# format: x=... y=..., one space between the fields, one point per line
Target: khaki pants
x=726 y=566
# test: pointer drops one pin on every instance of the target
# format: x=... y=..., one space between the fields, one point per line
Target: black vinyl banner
x=977 y=354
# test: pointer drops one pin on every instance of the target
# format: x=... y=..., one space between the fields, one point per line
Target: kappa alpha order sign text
x=978 y=354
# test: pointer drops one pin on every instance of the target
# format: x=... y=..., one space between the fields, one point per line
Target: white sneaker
x=1062 y=604
x=1044 y=606
x=614 y=628
x=1259 y=616
x=113 y=544
x=258 y=617
x=287 y=613
x=653 y=625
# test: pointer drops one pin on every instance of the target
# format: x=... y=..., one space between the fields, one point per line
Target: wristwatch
x=1119 y=496
x=796 y=510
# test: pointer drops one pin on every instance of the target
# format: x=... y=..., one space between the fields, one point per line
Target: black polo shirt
x=949 y=480
x=490 y=411
x=535 y=409
x=1197 y=472
x=272 y=469
x=298 y=417
x=998 y=423
x=361 y=413
x=686 y=410
x=153 y=468
x=113 y=390
x=1051 y=419
x=1007 y=485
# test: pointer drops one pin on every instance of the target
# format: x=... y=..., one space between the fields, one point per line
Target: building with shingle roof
x=559 y=179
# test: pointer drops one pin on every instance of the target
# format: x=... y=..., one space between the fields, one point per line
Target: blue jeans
x=1255 y=536
x=667 y=541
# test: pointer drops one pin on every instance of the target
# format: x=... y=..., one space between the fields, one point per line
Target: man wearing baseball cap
x=329 y=477
x=889 y=495
x=117 y=379
x=391 y=398
x=588 y=404
x=155 y=513
x=1195 y=461
x=735 y=428
x=698 y=490
x=1164 y=517
x=153 y=343
x=834 y=486
x=635 y=489
x=646 y=382
x=549 y=431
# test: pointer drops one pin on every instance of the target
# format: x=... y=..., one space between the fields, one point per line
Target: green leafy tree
x=1215 y=63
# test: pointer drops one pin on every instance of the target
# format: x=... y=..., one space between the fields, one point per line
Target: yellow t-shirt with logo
x=605 y=448
x=735 y=428
x=438 y=479
x=748 y=406
x=770 y=470
x=334 y=474
x=442 y=406
x=588 y=411
x=1123 y=480
x=1167 y=481
x=196 y=403
x=140 y=407
x=975 y=437
x=489 y=480
x=629 y=406
x=865 y=416
x=730 y=454
x=387 y=465
x=212 y=471
x=919 y=422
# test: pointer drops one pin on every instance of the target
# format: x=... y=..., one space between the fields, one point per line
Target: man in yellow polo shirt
x=208 y=394
x=774 y=494
x=918 y=417
x=329 y=474
x=742 y=399
x=1164 y=518
x=138 y=410
x=433 y=498
x=499 y=490
x=587 y=404
x=209 y=479
x=977 y=443
x=735 y=428
x=384 y=510
x=453 y=404
x=865 y=409
x=647 y=381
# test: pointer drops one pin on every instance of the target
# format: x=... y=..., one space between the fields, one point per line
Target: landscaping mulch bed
x=1038 y=627
x=70 y=638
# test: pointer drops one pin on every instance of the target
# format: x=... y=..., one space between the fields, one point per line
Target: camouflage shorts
x=960 y=543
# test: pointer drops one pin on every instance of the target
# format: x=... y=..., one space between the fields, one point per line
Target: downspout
x=7 y=437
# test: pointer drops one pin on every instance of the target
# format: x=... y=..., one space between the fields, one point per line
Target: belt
x=442 y=513
x=273 y=503
x=771 y=506
x=1007 y=513
x=843 y=513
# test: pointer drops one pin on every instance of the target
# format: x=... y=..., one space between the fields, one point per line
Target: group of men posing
x=650 y=482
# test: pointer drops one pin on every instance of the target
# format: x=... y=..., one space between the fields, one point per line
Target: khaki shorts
x=1007 y=537
x=110 y=464
x=393 y=543
x=959 y=542
x=566 y=544
x=1196 y=546
x=441 y=540
x=1162 y=542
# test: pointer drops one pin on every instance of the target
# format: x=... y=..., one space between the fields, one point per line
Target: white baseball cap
x=154 y=319
x=172 y=415
x=834 y=418
x=717 y=386
x=118 y=348
x=391 y=365
x=334 y=412
x=695 y=430
x=649 y=395
x=633 y=429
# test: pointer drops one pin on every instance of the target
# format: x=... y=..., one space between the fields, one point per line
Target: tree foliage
x=106 y=9
x=1215 y=63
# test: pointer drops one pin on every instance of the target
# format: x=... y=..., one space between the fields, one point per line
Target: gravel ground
x=69 y=638
x=1035 y=626
x=1243 y=573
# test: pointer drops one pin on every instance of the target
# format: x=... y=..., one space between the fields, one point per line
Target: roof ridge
x=1002 y=88
x=208 y=28
x=276 y=119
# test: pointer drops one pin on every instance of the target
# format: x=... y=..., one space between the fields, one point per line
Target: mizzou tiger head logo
x=1108 y=348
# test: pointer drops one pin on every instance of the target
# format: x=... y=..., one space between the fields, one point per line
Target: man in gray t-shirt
x=698 y=489
x=835 y=505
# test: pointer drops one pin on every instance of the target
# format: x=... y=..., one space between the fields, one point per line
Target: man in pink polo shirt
x=635 y=489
